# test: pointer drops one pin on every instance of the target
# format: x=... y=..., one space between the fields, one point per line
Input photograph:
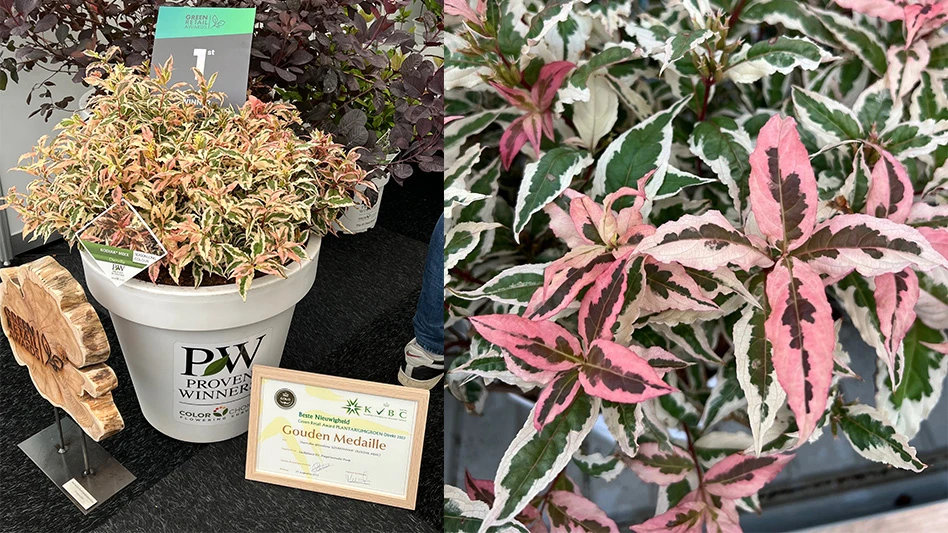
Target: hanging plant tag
x=121 y=242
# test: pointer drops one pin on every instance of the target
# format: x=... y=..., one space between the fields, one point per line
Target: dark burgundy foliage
x=353 y=77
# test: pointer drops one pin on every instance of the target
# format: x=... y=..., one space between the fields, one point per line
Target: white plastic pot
x=174 y=340
x=360 y=218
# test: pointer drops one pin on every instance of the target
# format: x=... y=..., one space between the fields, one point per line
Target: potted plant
x=238 y=200
x=659 y=216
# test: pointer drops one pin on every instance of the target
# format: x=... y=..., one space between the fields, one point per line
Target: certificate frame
x=297 y=377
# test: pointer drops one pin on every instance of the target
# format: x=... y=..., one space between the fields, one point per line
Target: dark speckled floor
x=353 y=323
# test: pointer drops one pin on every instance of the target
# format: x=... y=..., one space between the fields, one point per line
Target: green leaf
x=535 y=458
x=725 y=147
x=216 y=366
x=514 y=286
x=681 y=43
x=873 y=437
x=780 y=54
x=922 y=380
x=635 y=153
x=575 y=89
x=856 y=39
x=824 y=117
x=544 y=180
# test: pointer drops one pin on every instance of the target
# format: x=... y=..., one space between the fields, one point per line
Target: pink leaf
x=543 y=345
x=516 y=97
x=548 y=82
x=533 y=127
x=578 y=514
x=738 y=476
x=723 y=520
x=556 y=398
x=602 y=303
x=653 y=465
x=896 y=295
x=668 y=286
x=920 y=15
x=704 y=242
x=587 y=216
x=800 y=329
x=563 y=280
x=884 y=9
x=890 y=192
x=563 y=227
x=512 y=141
x=616 y=373
x=687 y=517
x=872 y=246
x=460 y=8
x=783 y=192
x=479 y=489
x=937 y=238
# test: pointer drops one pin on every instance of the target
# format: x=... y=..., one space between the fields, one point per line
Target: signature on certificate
x=318 y=467
x=359 y=478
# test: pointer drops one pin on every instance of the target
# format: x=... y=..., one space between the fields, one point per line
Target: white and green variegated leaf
x=463 y=72
x=857 y=297
x=576 y=88
x=656 y=421
x=461 y=240
x=511 y=28
x=567 y=40
x=692 y=339
x=534 y=457
x=463 y=515
x=635 y=153
x=677 y=181
x=514 y=286
x=595 y=118
x=938 y=62
x=462 y=167
x=490 y=368
x=929 y=101
x=780 y=54
x=457 y=132
x=682 y=43
x=625 y=423
x=913 y=139
x=547 y=18
x=677 y=408
x=468 y=390
x=611 y=14
x=855 y=188
x=669 y=496
x=827 y=119
x=875 y=108
x=725 y=147
x=606 y=468
x=725 y=398
x=455 y=197
x=716 y=445
x=864 y=44
x=932 y=305
x=544 y=180
x=873 y=437
x=922 y=381
x=790 y=14
x=756 y=373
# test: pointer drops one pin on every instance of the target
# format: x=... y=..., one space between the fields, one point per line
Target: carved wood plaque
x=56 y=334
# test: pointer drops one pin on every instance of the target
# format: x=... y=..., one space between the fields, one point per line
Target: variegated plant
x=231 y=194
x=663 y=215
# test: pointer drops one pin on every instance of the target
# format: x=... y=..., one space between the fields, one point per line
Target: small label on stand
x=121 y=242
x=80 y=493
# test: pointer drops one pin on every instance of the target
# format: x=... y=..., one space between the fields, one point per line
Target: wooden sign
x=339 y=436
x=56 y=334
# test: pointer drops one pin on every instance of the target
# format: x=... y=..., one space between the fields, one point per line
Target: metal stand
x=88 y=478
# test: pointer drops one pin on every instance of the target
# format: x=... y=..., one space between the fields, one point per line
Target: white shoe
x=422 y=369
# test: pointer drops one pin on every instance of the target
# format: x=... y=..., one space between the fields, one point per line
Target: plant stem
x=694 y=457
x=736 y=13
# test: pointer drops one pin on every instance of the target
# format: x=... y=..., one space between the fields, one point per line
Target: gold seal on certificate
x=339 y=436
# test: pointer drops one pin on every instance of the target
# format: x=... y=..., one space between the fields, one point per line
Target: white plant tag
x=121 y=242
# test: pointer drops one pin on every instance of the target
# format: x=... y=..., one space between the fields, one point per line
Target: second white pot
x=190 y=351
x=360 y=218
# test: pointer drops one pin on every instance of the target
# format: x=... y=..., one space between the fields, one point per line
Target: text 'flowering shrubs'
x=664 y=215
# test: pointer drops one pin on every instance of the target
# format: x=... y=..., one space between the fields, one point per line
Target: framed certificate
x=339 y=436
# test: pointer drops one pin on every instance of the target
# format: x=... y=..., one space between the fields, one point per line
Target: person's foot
x=422 y=369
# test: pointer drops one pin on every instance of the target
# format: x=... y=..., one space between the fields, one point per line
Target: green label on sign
x=111 y=254
x=180 y=22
